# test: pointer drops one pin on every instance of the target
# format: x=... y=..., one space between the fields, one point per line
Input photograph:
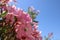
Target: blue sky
x=49 y=17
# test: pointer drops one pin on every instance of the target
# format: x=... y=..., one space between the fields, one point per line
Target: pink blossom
x=7 y=1
x=22 y=26
x=4 y=1
x=9 y=18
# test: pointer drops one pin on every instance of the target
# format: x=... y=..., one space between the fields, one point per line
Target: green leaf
x=33 y=16
x=4 y=13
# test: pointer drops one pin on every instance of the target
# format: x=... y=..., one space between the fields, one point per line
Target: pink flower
x=9 y=18
x=23 y=29
x=22 y=25
x=4 y=1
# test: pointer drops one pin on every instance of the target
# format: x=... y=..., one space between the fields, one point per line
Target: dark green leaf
x=4 y=14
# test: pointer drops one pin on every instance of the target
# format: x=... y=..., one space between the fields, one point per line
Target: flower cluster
x=6 y=1
x=15 y=24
